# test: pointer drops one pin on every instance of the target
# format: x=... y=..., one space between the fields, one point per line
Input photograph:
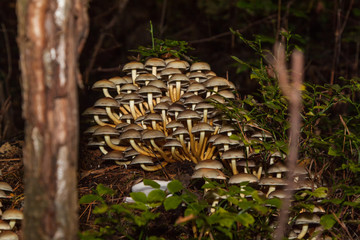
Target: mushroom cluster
x=9 y=217
x=161 y=112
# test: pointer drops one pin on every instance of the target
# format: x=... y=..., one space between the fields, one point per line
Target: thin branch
x=8 y=53
x=293 y=92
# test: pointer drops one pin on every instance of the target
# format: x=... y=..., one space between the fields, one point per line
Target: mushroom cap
x=194 y=99
x=155 y=62
x=174 y=124
x=95 y=111
x=227 y=94
x=202 y=127
x=220 y=82
x=243 y=177
x=159 y=84
x=119 y=80
x=246 y=163
x=272 y=182
x=98 y=85
x=130 y=134
x=131 y=97
x=180 y=131
x=280 y=193
x=169 y=71
x=114 y=155
x=8 y=235
x=91 y=129
x=128 y=87
x=201 y=76
x=196 y=87
x=188 y=114
x=106 y=130
x=4 y=225
x=132 y=65
x=179 y=64
x=209 y=173
x=106 y=102
x=172 y=143
x=152 y=134
x=142 y=159
x=153 y=117
x=200 y=66
x=209 y=163
x=12 y=214
x=144 y=91
x=227 y=128
x=179 y=78
x=161 y=106
x=5 y=186
x=233 y=154
x=278 y=167
x=262 y=134
x=307 y=218
x=142 y=78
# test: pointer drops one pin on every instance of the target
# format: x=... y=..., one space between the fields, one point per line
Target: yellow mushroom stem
x=203 y=147
x=271 y=189
x=162 y=153
x=154 y=70
x=123 y=163
x=186 y=151
x=171 y=95
x=106 y=92
x=201 y=143
x=111 y=115
x=113 y=146
x=233 y=166
x=153 y=168
x=303 y=232
x=142 y=110
x=123 y=110
x=192 y=144
x=118 y=88
x=150 y=102
x=133 y=75
x=101 y=123
x=178 y=90
x=103 y=150
x=132 y=109
x=259 y=172
x=137 y=148
x=205 y=113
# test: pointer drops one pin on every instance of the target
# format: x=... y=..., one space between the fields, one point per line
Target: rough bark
x=51 y=34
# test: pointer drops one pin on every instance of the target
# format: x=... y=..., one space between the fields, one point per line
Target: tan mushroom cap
x=174 y=124
x=209 y=173
x=114 y=155
x=307 y=218
x=12 y=214
x=131 y=97
x=142 y=159
x=169 y=71
x=132 y=65
x=232 y=154
x=172 y=143
x=91 y=129
x=4 y=225
x=106 y=130
x=278 y=167
x=154 y=62
x=243 y=177
x=119 y=80
x=209 y=163
x=200 y=66
x=129 y=87
x=272 y=182
x=130 y=134
x=152 y=134
x=106 y=102
x=8 y=235
x=95 y=111
x=179 y=64
x=104 y=83
x=202 y=127
x=188 y=114
x=5 y=186
x=145 y=77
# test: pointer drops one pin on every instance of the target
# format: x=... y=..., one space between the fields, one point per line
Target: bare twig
x=162 y=20
x=293 y=93
x=209 y=39
x=8 y=53
x=121 y=6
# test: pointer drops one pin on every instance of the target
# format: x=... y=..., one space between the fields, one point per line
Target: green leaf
x=89 y=198
x=320 y=192
x=100 y=209
x=139 y=197
x=151 y=183
x=327 y=221
x=102 y=190
x=175 y=186
x=245 y=219
x=156 y=195
x=172 y=202
x=333 y=152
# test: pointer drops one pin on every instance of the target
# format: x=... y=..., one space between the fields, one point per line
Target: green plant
x=164 y=48
x=234 y=217
x=329 y=142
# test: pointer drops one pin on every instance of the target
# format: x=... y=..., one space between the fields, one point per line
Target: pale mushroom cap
x=4 y=225
x=154 y=62
x=209 y=173
x=118 y=80
x=243 y=177
x=106 y=102
x=103 y=84
x=94 y=111
x=12 y=214
x=170 y=71
x=172 y=143
x=130 y=134
x=272 y=182
x=91 y=129
x=280 y=193
x=8 y=235
x=209 y=163
x=188 y=114
x=142 y=159
x=106 y=130
x=144 y=91
x=232 y=154
x=200 y=66
x=131 y=97
x=202 y=127
x=217 y=82
x=278 y=167
x=132 y=126
x=307 y=218
x=179 y=64
x=159 y=84
x=113 y=155
x=132 y=65
x=142 y=78
x=5 y=186
x=152 y=134
x=174 y=124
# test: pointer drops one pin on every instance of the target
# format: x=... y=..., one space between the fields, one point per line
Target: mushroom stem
x=101 y=123
x=103 y=150
x=111 y=115
x=233 y=166
x=259 y=172
x=303 y=232
x=133 y=75
x=12 y=224
x=106 y=92
x=271 y=189
x=178 y=90
x=162 y=153
x=132 y=109
x=113 y=146
x=153 y=168
x=140 y=150
x=150 y=102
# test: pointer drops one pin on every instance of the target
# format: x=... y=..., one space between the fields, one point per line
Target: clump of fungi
x=9 y=217
x=162 y=111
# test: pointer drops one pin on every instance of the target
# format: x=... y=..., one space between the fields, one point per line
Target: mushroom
x=12 y=215
x=132 y=68
x=232 y=156
x=104 y=85
x=304 y=219
x=8 y=235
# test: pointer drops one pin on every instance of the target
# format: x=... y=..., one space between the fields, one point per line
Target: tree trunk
x=51 y=34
